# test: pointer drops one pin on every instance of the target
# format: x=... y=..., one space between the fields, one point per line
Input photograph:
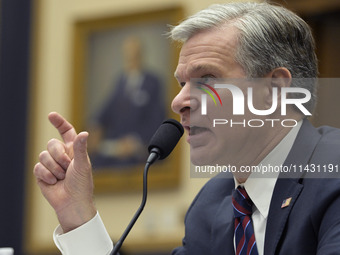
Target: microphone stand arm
x=154 y=155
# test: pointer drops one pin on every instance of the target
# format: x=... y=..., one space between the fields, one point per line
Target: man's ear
x=278 y=78
x=281 y=77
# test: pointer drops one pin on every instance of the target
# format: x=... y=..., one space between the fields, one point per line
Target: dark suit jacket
x=309 y=225
x=138 y=112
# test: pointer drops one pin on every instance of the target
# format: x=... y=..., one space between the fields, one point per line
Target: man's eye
x=207 y=78
x=182 y=84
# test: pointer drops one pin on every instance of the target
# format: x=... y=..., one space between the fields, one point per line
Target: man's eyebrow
x=200 y=68
x=196 y=68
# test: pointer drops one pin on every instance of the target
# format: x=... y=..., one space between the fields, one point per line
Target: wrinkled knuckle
x=42 y=155
x=37 y=170
x=51 y=143
x=56 y=169
x=46 y=175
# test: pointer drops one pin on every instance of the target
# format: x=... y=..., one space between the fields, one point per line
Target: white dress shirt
x=92 y=238
x=260 y=188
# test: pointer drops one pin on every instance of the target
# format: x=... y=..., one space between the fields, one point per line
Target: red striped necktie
x=244 y=231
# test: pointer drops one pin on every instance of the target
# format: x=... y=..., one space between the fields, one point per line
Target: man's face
x=210 y=54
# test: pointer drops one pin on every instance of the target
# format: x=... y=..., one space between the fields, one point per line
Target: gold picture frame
x=98 y=52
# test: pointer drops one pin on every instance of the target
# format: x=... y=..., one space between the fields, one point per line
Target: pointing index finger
x=65 y=129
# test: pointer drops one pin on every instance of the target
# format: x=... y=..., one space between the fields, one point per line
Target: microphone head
x=166 y=137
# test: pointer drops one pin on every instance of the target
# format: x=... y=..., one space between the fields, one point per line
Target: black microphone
x=161 y=145
x=164 y=140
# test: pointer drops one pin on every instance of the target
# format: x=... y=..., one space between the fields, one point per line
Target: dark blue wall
x=14 y=81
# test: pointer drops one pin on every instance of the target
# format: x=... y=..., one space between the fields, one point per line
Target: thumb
x=81 y=160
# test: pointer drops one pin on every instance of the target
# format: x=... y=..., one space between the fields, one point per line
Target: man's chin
x=201 y=160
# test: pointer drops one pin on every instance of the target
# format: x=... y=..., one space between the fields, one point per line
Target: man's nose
x=184 y=101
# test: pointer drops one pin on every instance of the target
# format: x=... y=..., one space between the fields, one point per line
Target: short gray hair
x=270 y=37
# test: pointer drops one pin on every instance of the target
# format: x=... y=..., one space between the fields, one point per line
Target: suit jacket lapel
x=277 y=217
x=288 y=186
x=223 y=229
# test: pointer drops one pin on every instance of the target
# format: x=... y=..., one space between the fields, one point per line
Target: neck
x=265 y=141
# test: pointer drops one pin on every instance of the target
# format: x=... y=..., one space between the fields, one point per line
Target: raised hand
x=64 y=175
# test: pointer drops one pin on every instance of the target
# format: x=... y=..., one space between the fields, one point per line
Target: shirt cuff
x=88 y=239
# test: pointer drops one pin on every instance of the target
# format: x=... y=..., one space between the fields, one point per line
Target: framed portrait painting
x=122 y=90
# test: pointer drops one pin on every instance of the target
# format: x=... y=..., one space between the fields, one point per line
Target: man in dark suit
x=291 y=211
x=309 y=224
x=133 y=111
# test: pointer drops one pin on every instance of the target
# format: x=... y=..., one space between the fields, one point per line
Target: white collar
x=260 y=186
